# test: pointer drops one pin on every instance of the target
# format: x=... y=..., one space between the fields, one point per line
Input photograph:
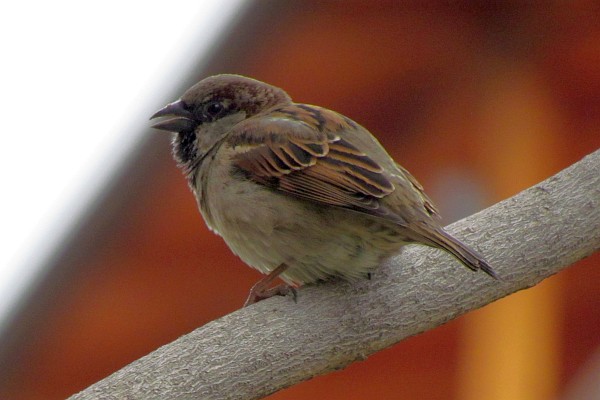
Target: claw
x=261 y=291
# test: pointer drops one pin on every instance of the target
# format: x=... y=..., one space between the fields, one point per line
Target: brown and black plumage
x=297 y=190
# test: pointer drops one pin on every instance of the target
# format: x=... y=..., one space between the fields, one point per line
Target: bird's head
x=210 y=109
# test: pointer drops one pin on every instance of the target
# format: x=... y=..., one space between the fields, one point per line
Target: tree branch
x=276 y=343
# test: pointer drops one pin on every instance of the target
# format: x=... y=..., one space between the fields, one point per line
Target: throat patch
x=184 y=147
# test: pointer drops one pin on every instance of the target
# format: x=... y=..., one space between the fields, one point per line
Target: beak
x=183 y=120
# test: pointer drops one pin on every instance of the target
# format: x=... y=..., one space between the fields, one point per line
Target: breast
x=238 y=210
x=266 y=228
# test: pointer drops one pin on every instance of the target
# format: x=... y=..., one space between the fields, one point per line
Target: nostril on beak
x=176 y=109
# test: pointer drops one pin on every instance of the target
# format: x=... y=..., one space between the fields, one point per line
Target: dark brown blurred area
x=477 y=100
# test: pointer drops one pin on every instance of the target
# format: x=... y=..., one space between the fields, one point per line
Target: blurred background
x=108 y=258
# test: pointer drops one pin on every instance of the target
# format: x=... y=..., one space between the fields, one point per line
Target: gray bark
x=276 y=343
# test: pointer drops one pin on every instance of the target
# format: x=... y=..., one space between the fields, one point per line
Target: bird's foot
x=261 y=290
x=258 y=294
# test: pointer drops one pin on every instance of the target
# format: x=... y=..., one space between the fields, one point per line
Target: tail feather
x=469 y=257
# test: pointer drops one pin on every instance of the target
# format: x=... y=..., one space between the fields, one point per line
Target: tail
x=470 y=258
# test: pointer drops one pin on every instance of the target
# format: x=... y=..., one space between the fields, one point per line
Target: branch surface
x=276 y=343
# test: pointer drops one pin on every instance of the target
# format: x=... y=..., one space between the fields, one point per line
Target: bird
x=297 y=191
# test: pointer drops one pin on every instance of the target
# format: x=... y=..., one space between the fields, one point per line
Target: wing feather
x=309 y=161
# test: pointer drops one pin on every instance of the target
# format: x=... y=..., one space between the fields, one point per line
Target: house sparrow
x=297 y=191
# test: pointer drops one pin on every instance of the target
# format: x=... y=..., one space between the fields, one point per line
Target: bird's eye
x=214 y=109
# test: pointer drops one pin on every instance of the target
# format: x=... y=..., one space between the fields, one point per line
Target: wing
x=298 y=150
x=427 y=203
